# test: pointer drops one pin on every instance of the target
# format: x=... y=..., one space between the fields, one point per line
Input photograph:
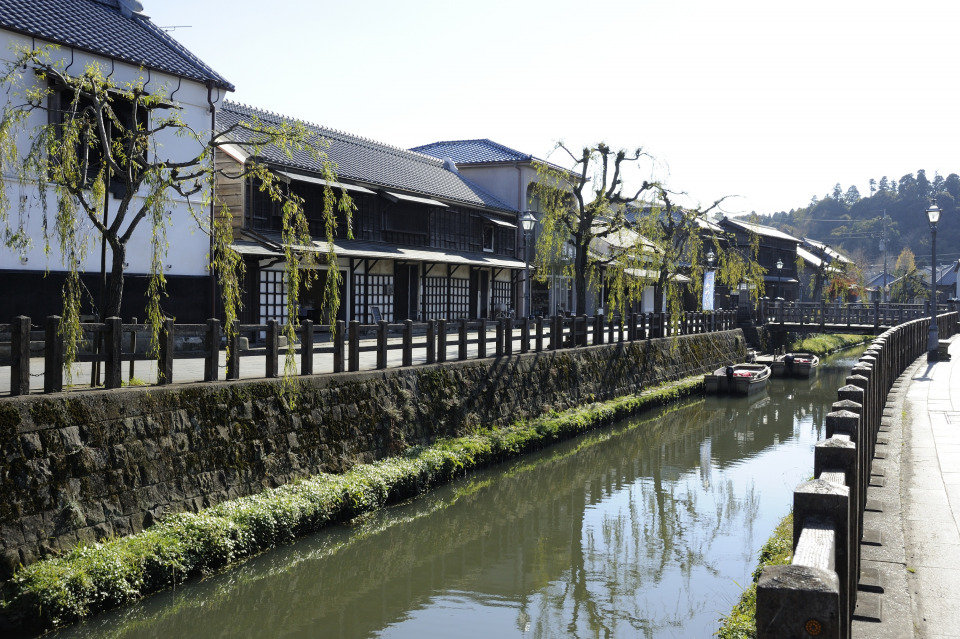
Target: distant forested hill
x=855 y=224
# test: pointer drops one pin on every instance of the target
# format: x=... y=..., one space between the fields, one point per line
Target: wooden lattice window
x=459 y=298
x=273 y=296
x=370 y=291
x=502 y=294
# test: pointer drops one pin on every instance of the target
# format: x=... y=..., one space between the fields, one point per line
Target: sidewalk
x=915 y=494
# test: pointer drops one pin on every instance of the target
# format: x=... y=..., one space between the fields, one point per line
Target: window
x=129 y=147
x=488 y=235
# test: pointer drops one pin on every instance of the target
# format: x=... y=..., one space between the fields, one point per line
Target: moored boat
x=738 y=379
x=795 y=365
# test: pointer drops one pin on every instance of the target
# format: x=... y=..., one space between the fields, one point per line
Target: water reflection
x=648 y=528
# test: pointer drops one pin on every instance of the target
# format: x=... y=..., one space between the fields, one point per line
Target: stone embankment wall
x=82 y=466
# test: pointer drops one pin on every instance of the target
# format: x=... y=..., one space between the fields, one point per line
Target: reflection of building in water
x=706 y=450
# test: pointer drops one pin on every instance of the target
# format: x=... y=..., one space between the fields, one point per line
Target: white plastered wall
x=188 y=245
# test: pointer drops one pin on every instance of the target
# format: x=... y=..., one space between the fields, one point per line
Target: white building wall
x=188 y=245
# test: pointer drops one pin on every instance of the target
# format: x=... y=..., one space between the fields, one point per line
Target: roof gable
x=473 y=151
x=369 y=162
x=111 y=28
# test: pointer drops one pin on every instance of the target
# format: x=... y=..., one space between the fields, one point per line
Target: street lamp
x=780 y=276
x=711 y=256
x=933 y=215
x=527 y=222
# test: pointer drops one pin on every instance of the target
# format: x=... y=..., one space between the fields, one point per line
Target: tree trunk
x=580 y=279
x=115 y=290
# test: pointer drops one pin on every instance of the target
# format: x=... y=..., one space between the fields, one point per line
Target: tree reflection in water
x=648 y=528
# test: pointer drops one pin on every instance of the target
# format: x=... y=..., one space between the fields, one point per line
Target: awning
x=775 y=279
x=498 y=221
x=315 y=180
x=393 y=195
x=376 y=251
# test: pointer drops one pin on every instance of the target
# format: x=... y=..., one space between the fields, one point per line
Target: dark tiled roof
x=473 y=151
x=369 y=162
x=98 y=26
x=760 y=229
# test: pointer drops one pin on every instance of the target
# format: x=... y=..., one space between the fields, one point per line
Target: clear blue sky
x=769 y=101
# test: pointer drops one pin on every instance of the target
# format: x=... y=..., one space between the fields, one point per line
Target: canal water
x=648 y=528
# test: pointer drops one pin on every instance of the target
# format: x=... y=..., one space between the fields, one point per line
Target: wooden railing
x=112 y=343
x=816 y=594
x=819 y=314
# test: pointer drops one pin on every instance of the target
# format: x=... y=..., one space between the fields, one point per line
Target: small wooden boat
x=738 y=379
x=801 y=365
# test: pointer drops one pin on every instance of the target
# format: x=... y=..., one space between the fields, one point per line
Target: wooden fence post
x=113 y=357
x=273 y=348
x=20 y=353
x=525 y=336
x=381 y=344
x=462 y=346
x=165 y=363
x=499 y=337
x=53 y=356
x=539 y=344
x=212 y=347
x=306 y=347
x=408 y=342
x=354 y=356
x=431 y=341
x=339 y=340
x=482 y=339
x=133 y=349
x=508 y=336
x=441 y=341
x=233 y=351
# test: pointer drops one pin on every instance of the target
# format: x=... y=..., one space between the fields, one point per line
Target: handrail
x=816 y=594
x=434 y=342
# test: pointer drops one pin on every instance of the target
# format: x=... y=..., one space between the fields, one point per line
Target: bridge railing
x=853 y=314
x=108 y=345
x=816 y=594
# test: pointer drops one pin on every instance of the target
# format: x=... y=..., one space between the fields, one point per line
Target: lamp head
x=933 y=213
x=711 y=257
x=779 y=264
x=527 y=221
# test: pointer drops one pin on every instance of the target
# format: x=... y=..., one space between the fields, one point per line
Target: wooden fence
x=821 y=315
x=112 y=343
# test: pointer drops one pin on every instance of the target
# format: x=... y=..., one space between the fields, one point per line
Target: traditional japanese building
x=428 y=242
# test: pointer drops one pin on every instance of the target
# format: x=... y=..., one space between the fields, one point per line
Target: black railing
x=109 y=344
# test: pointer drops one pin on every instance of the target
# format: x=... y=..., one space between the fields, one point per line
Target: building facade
x=128 y=47
x=428 y=243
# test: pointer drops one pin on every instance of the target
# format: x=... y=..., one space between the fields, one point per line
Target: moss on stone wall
x=123 y=458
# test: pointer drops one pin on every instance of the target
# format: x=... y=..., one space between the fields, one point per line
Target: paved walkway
x=915 y=494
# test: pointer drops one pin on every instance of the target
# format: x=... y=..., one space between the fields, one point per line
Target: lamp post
x=527 y=222
x=780 y=277
x=711 y=256
x=933 y=215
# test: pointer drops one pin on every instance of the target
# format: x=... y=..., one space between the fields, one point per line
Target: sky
x=765 y=104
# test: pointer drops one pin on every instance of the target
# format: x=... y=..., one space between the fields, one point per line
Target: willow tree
x=630 y=240
x=97 y=135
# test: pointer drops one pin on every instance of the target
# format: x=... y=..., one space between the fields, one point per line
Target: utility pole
x=883 y=247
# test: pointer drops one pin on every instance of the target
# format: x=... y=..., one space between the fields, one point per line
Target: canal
x=648 y=528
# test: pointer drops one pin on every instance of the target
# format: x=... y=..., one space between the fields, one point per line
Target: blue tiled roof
x=99 y=27
x=369 y=162
x=472 y=151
